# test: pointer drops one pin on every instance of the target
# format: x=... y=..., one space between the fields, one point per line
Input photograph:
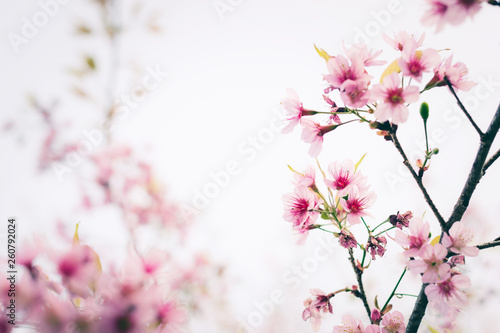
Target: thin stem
x=381 y=224
x=489 y=244
x=393 y=291
x=359 y=278
x=401 y=294
x=491 y=161
x=478 y=130
x=428 y=199
x=366 y=226
x=384 y=231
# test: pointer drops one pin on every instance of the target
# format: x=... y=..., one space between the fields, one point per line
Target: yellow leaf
x=76 y=240
x=435 y=240
x=293 y=170
x=359 y=162
x=392 y=68
x=322 y=53
x=77 y=302
x=432 y=329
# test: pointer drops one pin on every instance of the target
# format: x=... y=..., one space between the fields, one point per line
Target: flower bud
x=424 y=111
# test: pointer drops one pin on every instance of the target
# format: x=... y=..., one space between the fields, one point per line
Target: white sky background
x=226 y=77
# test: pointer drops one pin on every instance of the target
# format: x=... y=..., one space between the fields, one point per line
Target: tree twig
x=491 y=161
x=406 y=162
x=476 y=171
x=467 y=114
x=489 y=244
x=359 y=278
x=418 y=311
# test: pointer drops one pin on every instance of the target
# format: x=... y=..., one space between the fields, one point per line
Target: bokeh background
x=224 y=68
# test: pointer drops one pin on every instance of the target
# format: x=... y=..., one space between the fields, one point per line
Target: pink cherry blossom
x=417 y=237
x=449 y=291
x=393 y=322
x=357 y=203
x=293 y=106
x=299 y=206
x=376 y=246
x=457 y=239
x=349 y=325
x=393 y=99
x=368 y=57
x=401 y=39
x=314 y=307
x=313 y=132
x=415 y=63
x=401 y=220
x=346 y=239
x=340 y=70
x=450 y=11
x=306 y=179
x=342 y=175
x=456 y=74
x=431 y=264
x=355 y=94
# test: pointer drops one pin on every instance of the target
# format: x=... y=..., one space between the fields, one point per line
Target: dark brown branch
x=418 y=311
x=428 y=199
x=476 y=171
x=359 y=278
x=491 y=161
x=489 y=244
x=478 y=130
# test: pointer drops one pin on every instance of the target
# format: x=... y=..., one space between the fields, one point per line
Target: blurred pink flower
x=414 y=63
x=361 y=51
x=393 y=99
x=393 y=322
x=449 y=291
x=401 y=39
x=340 y=70
x=417 y=237
x=349 y=325
x=431 y=263
x=306 y=178
x=313 y=132
x=457 y=239
x=293 y=106
x=355 y=93
x=453 y=12
x=456 y=74
x=314 y=307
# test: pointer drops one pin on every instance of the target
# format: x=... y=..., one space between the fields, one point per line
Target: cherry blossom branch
x=494 y=243
x=491 y=161
x=359 y=278
x=406 y=162
x=478 y=130
x=459 y=210
x=476 y=171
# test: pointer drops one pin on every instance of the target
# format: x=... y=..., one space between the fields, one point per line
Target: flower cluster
x=145 y=294
x=437 y=262
x=349 y=81
x=350 y=204
x=454 y=12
